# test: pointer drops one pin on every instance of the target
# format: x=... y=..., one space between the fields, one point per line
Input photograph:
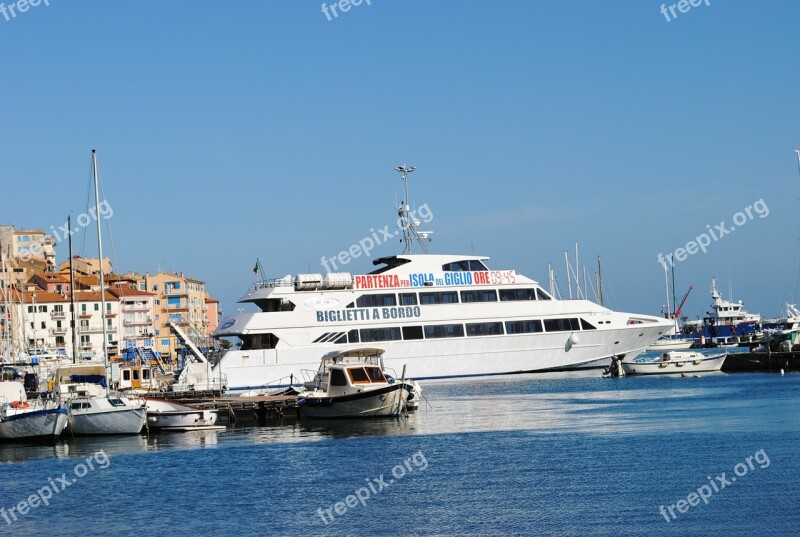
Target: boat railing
x=271 y=283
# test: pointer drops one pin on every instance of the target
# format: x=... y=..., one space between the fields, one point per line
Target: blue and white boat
x=21 y=419
x=728 y=323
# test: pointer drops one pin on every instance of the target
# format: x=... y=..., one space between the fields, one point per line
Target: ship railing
x=271 y=283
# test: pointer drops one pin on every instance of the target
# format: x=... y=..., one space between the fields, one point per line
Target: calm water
x=537 y=454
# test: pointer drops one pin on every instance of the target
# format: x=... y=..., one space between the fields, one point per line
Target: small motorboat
x=354 y=384
x=674 y=362
x=24 y=419
x=171 y=416
x=671 y=344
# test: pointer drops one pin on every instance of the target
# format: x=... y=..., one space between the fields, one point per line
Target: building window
x=96 y=306
x=165 y=343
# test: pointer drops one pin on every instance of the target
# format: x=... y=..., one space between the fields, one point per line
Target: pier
x=259 y=409
x=762 y=362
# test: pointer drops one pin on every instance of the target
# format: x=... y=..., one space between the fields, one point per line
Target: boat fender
x=19 y=404
x=389 y=380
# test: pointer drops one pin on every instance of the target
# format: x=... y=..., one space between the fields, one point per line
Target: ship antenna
x=406 y=221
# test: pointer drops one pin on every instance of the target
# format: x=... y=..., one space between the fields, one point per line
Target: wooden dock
x=762 y=362
x=259 y=409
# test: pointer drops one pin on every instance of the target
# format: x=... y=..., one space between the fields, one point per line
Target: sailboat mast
x=102 y=277
x=674 y=300
x=6 y=313
x=600 y=279
x=73 y=325
x=666 y=286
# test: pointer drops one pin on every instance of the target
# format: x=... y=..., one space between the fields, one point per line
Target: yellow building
x=179 y=300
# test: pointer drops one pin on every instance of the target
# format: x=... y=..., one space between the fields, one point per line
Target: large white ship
x=440 y=315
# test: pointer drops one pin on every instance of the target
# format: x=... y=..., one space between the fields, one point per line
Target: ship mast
x=406 y=221
x=102 y=277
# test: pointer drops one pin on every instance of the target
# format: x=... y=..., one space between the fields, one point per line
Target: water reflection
x=541 y=404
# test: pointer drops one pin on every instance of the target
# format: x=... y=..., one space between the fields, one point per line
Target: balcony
x=59 y=330
x=97 y=328
x=136 y=307
x=58 y=314
x=171 y=291
x=137 y=322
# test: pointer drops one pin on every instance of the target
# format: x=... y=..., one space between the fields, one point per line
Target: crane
x=683 y=301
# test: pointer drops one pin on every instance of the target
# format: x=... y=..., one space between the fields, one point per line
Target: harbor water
x=547 y=454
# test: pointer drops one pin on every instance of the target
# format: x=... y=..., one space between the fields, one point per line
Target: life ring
x=19 y=404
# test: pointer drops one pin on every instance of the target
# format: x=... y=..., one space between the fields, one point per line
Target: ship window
x=135 y=374
x=145 y=374
x=320 y=338
x=254 y=342
x=485 y=329
x=464 y=266
x=374 y=301
x=408 y=299
x=274 y=304
x=331 y=337
x=338 y=378
x=352 y=336
x=444 y=330
x=484 y=295
x=476 y=265
x=523 y=327
x=116 y=402
x=517 y=294
x=375 y=374
x=542 y=295
x=380 y=334
x=440 y=297
x=456 y=266
x=586 y=325
x=561 y=325
x=342 y=338
x=412 y=332
x=126 y=374
x=358 y=375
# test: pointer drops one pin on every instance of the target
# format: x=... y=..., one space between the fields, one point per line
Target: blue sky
x=231 y=131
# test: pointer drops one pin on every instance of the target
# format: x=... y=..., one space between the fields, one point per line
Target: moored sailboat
x=104 y=413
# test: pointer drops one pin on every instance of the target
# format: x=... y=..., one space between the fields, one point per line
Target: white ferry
x=440 y=315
